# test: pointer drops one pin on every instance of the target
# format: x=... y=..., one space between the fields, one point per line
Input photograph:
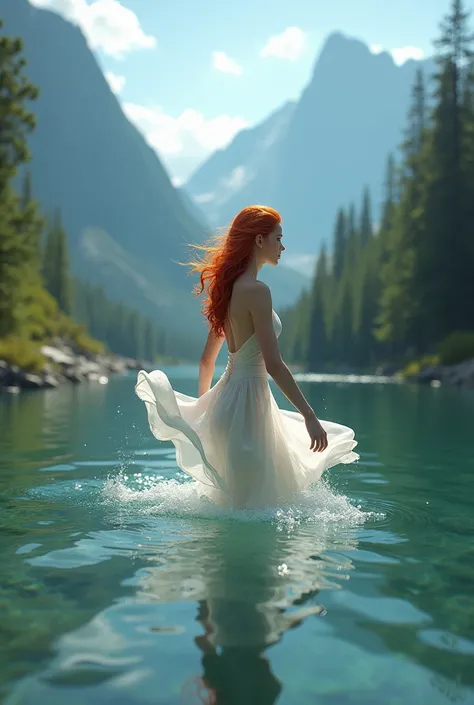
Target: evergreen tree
x=18 y=221
x=56 y=264
x=16 y=120
x=150 y=340
x=352 y=238
x=300 y=328
x=339 y=246
x=388 y=207
x=137 y=335
x=416 y=129
x=318 y=339
x=399 y=310
x=412 y=283
x=445 y=259
x=467 y=150
x=366 y=230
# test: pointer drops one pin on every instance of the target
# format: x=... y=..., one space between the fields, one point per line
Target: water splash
x=157 y=495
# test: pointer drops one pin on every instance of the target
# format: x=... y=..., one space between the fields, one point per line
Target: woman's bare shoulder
x=248 y=288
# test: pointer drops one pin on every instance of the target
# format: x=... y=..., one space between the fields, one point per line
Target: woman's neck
x=253 y=267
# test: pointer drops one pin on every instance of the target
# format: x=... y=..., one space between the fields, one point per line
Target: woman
x=233 y=438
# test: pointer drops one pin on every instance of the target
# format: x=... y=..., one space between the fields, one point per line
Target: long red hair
x=226 y=256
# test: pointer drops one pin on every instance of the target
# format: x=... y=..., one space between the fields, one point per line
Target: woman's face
x=271 y=246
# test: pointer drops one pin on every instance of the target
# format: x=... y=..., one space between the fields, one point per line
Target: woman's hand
x=319 y=439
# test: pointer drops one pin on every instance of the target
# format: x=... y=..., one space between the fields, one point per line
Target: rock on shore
x=460 y=375
x=64 y=365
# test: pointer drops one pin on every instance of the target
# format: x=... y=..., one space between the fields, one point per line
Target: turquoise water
x=121 y=585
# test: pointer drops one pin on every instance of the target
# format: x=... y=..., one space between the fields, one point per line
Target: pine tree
x=56 y=264
x=137 y=336
x=339 y=243
x=317 y=351
x=388 y=207
x=445 y=260
x=467 y=150
x=366 y=229
x=399 y=311
x=150 y=340
x=18 y=221
x=352 y=238
x=16 y=120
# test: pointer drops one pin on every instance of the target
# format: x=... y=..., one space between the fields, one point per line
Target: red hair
x=226 y=257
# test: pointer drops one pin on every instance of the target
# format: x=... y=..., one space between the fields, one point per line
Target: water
x=121 y=585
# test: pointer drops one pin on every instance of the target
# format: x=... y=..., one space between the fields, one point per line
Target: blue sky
x=191 y=74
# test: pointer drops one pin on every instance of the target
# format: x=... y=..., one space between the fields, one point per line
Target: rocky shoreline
x=66 y=366
x=460 y=375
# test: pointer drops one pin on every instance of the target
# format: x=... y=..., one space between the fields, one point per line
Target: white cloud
x=236 y=179
x=204 y=197
x=107 y=24
x=189 y=133
x=223 y=62
x=401 y=54
x=376 y=48
x=115 y=82
x=288 y=45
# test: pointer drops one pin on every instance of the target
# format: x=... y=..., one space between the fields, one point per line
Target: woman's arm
x=261 y=310
x=208 y=361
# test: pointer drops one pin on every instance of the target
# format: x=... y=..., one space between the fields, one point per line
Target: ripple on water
x=390 y=511
x=145 y=486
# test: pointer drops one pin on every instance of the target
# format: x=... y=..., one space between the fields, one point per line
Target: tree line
x=404 y=288
x=39 y=297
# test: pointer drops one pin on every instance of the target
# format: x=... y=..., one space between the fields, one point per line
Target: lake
x=121 y=585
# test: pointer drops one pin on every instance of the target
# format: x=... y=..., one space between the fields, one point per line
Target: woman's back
x=239 y=325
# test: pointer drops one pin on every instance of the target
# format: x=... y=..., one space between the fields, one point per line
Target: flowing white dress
x=243 y=449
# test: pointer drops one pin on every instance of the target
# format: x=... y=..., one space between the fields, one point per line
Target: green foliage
x=20 y=224
x=396 y=293
x=16 y=120
x=56 y=264
x=457 y=347
x=335 y=319
x=36 y=296
x=416 y=366
x=366 y=231
x=121 y=328
x=22 y=352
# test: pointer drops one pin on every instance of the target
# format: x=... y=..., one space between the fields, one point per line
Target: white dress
x=234 y=440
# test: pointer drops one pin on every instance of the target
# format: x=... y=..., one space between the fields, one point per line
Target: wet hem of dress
x=179 y=424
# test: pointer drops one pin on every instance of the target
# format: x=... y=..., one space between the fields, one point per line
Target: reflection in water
x=252 y=582
x=121 y=585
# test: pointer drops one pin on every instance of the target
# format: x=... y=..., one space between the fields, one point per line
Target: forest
x=388 y=293
x=40 y=299
x=403 y=290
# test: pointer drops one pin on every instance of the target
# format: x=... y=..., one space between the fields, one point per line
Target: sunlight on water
x=156 y=495
x=122 y=582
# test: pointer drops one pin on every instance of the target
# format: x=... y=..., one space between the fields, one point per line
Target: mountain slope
x=114 y=194
x=335 y=142
x=230 y=170
x=128 y=226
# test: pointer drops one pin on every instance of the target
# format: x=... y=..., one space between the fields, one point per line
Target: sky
x=191 y=74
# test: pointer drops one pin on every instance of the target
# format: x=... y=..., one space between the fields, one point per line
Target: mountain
x=232 y=169
x=323 y=150
x=127 y=224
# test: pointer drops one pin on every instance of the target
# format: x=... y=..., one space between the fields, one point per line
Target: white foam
x=156 y=495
